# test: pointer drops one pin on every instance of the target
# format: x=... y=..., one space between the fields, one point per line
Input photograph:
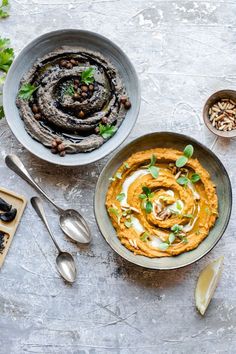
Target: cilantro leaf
x=87 y=76
x=4 y=42
x=26 y=91
x=4 y=9
x=6 y=59
x=107 y=131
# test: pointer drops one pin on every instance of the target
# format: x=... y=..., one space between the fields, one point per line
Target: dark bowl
x=209 y=161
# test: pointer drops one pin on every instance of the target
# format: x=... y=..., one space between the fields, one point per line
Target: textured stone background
x=183 y=51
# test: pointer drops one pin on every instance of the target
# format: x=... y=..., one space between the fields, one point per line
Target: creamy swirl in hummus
x=56 y=111
x=159 y=209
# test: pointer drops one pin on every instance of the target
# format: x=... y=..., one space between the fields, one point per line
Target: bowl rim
x=137 y=262
x=222 y=134
x=64 y=162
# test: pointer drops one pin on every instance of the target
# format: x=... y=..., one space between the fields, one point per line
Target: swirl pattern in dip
x=162 y=215
x=65 y=109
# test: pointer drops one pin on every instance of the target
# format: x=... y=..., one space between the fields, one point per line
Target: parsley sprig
x=26 y=91
x=4 y=9
x=107 y=131
x=87 y=76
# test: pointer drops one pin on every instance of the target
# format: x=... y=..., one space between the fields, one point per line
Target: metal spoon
x=71 y=221
x=65 y=261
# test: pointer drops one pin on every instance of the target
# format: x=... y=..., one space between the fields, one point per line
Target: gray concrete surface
x=183 y=51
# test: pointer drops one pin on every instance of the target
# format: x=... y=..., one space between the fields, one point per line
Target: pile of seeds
x=222 y=114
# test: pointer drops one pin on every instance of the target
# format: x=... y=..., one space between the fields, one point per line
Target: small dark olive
x=76 y=62
x=58 y=140
x=54 y=144
x=123 y=99
x=73 y=62
x=81 y=114
x=69 y=66
x=104 y=120
x=63 y=63
x=61 y=147
x=75 y=87
x=127 y=105
x=76 y=96
x=35 y=108
x=76 y=82
x=37 y=116
x=84 y=88
x=91 y=87
x=54 y=151
x=62 y=153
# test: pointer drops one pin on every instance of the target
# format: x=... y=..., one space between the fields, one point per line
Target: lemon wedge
x=207 y=283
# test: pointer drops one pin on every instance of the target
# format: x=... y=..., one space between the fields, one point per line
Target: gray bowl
x=47 y=43
x=212 y=164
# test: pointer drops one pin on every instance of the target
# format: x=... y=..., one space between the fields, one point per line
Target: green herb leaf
x=6 y=59
x=188 y=151
x=146 y=191
x=153 y=161
x=107 y=131
x=154 y=171
x=87 y=76
x=195 y=178
x=183 y=181
x=183 y=239
x=118 y=175
x=148 y=207
x=142 y=196
x=190 y=216
x=4 y=42
x=171 y=238
x=182 y=160
x=120 y=197
x=69 y=90
x=144 y=236
x=115 y=211
x=178 y=205
x=2 y=115
x=126 y=165
x=176 y=228
x=4 y=9
x=163 y=246
x=128 y=224
x=26 y=91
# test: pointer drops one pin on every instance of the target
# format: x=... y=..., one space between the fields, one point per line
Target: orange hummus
x=162 y=210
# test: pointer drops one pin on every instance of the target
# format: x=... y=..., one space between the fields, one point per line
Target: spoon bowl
x=66 y=266
x=74 y=226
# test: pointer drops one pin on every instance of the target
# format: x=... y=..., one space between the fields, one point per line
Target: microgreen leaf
x=120 y=197
x=195 y=178
x=87 y=76
x=183 y=181
x=4 y=42
x=154 y=171
x=128 y=224
x=146 y=191
x=176 y=228
x=142 y=196
x=107 y=131
x=182 y=160
x=190 y=216
x=4 y=9
x=26 y=91
x=148 y=207
x=144 y=236
x=178 y=205
x=188 y=151
x=171 y=237
x=115 y=211
x=126 y=165
x=153 y=161
x=163 y=246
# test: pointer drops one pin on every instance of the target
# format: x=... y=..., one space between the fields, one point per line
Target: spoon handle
x=38 y=207
x=15 y=164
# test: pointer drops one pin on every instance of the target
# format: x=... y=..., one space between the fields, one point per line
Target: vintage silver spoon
x=71 y=221
x=65 y=261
